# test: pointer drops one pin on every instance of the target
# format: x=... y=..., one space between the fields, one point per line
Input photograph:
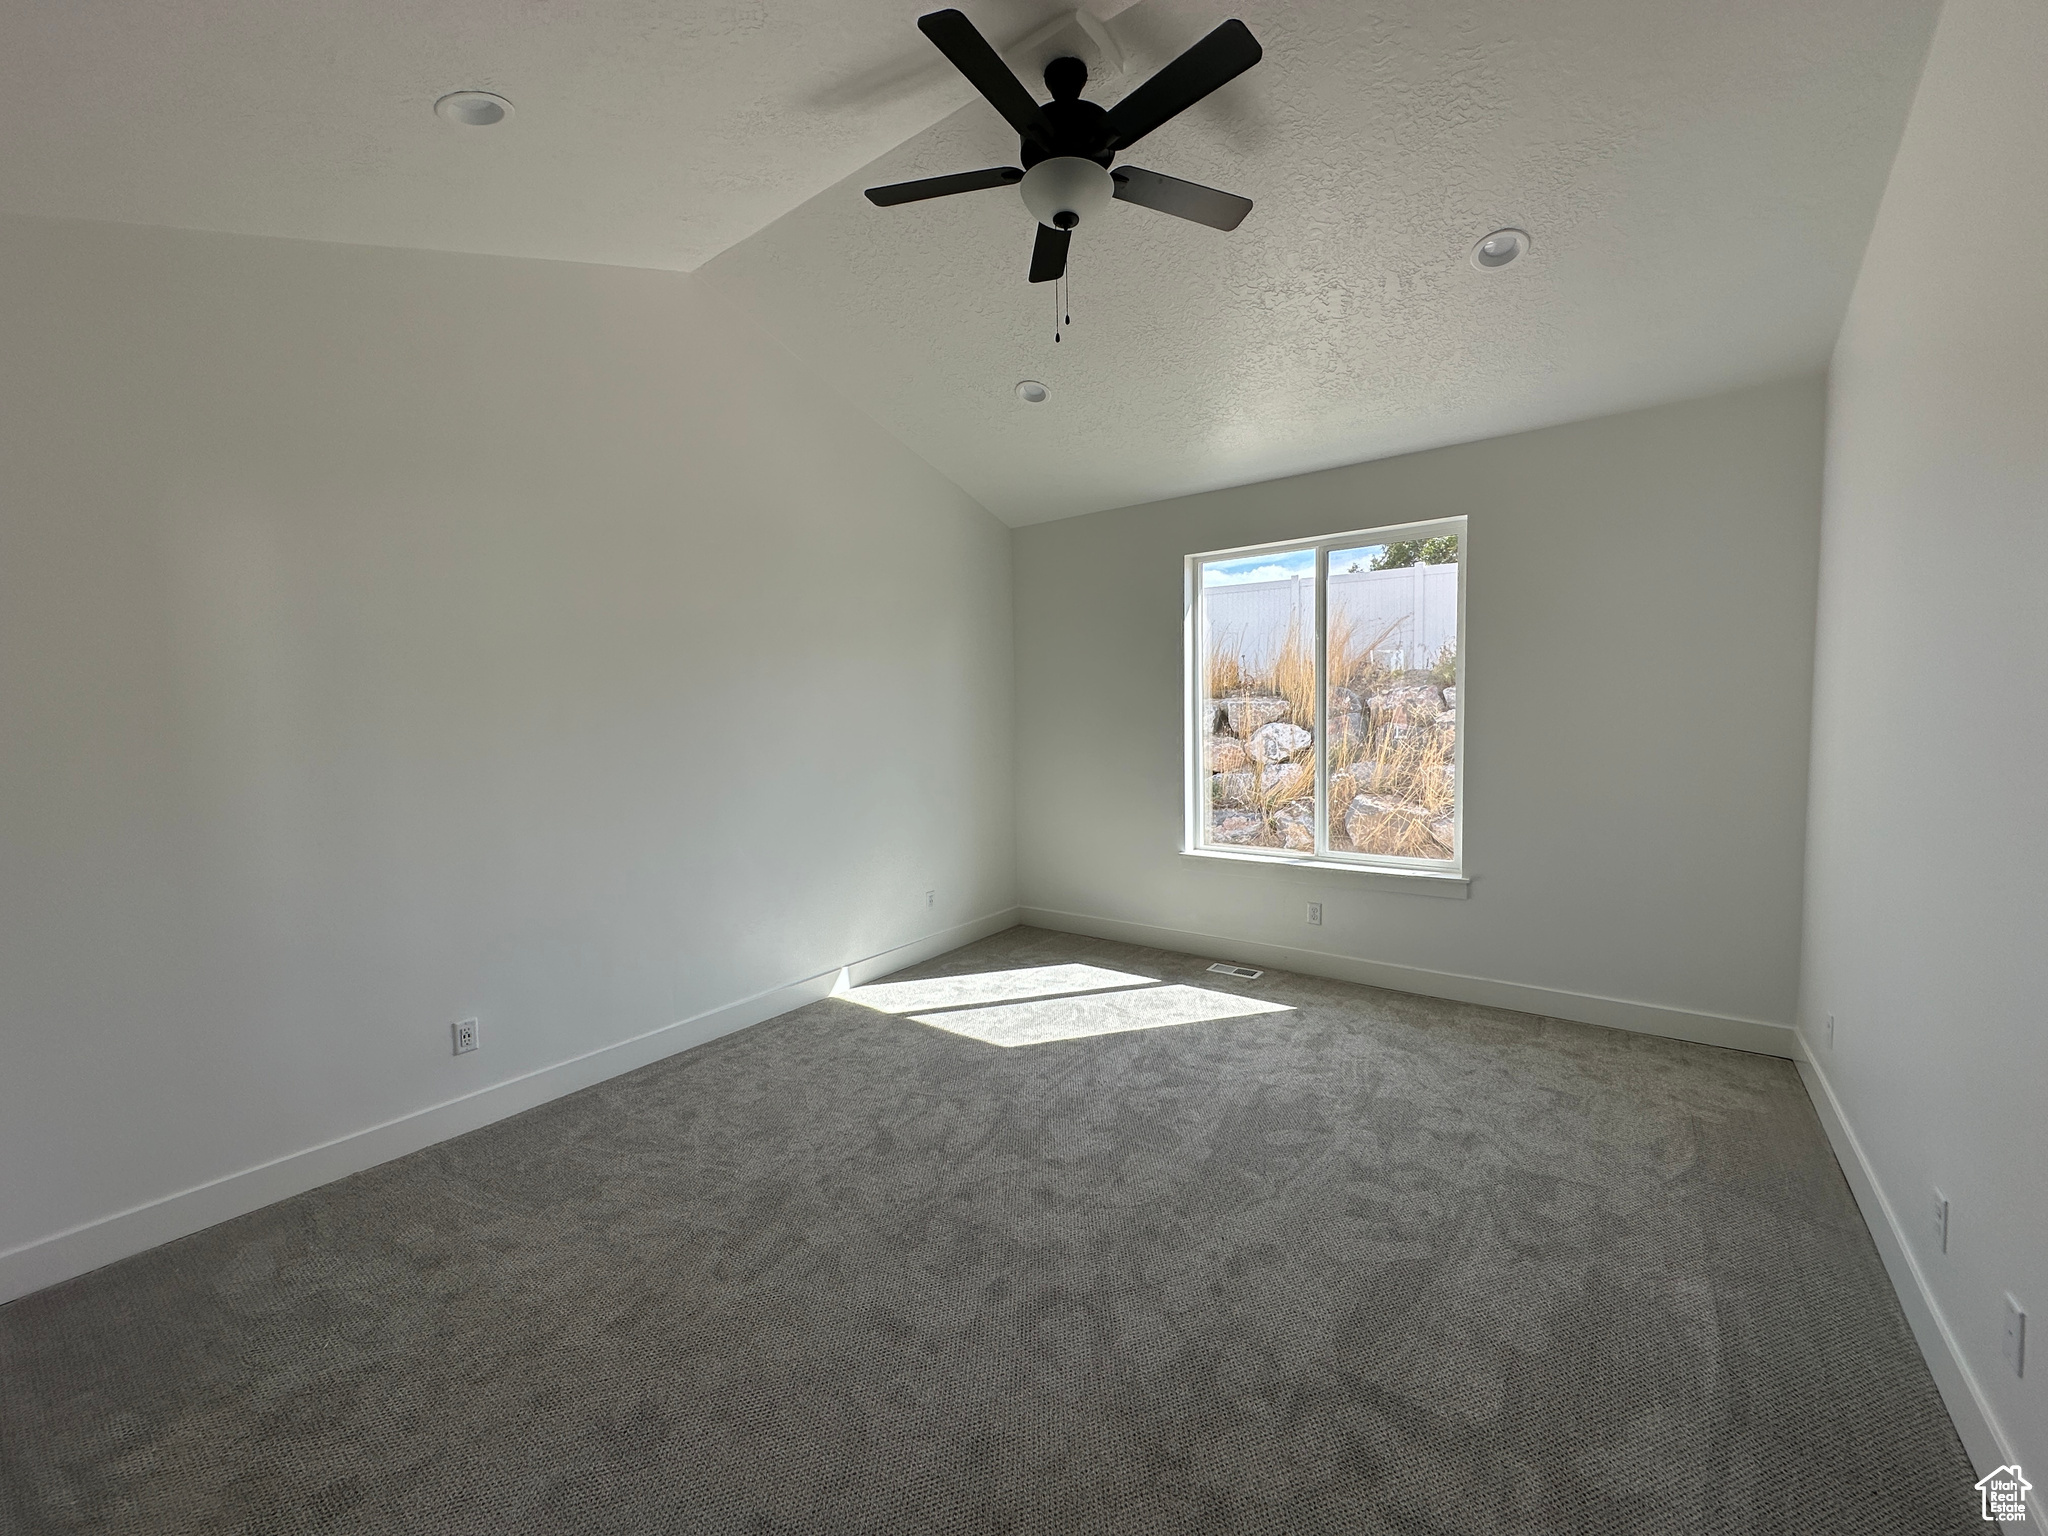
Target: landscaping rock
x=1277 y=742
x=1244 y=787
x=1363 y=816
x=1344 y=702
x=1360 y=779
x=1347 y=727
x=1296 y=823
x=1403 y=703
x=1235 y=827
x=1246 y=715
x=1227 y=755
x=1368 y=814
x=1450 y=698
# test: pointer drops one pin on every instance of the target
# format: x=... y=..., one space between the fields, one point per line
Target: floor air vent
x=1243 y=972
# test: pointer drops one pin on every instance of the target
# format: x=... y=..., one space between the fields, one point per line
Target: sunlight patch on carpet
x=1112 y=1013
x=990 y=987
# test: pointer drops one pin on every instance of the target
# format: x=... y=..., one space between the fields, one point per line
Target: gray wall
x=388 y=637
x=1927 y=903
x=1634 y=830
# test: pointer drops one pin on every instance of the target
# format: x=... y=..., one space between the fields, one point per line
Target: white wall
x=1634 y=831
x=367 y=660
x=1927 y=898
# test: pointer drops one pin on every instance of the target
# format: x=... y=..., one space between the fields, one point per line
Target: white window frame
x=1194 y=783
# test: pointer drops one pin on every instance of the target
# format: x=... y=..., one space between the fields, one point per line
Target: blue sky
x=1296 y=562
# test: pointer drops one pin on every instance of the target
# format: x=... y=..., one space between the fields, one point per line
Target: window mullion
x=1321 y=748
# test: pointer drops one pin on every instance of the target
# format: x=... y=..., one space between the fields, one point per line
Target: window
x=1323 y=699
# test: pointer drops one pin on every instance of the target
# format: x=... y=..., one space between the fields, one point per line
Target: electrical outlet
x=2014 y=1349
x=1315 y=913
x=931 y=898
x=465 y=1036
x=1831 y=1031
x=1940 y=1222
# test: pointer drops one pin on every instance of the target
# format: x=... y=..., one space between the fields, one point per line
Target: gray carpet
x=1369 y=1263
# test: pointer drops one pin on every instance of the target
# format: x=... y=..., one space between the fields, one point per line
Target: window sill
x=1415 y=882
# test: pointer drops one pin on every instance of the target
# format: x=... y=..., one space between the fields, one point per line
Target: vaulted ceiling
x=1699 y=181
x=651 y=133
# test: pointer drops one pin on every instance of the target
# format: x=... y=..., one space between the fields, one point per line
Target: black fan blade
x=944 y=186
x=1182 y=199
x=1216 y=60
x=1049 y=254
x=958 y=40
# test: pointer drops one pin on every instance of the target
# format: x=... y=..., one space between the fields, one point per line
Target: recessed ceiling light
x=1499 y=248
x=473 y=109
x=1031 y=392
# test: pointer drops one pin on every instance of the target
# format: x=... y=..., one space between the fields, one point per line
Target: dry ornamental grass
x=1392 y=767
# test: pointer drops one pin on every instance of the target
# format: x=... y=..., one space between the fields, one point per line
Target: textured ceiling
x=1699 y=181
x=647 y=133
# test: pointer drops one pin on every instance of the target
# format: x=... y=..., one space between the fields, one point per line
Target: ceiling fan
x=1069 y=146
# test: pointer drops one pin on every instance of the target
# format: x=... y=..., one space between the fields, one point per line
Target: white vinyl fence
x=1409 y=616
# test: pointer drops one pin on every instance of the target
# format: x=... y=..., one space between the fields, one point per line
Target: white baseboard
x=1975 y=1419
x=89 y=1245
x=1610 y=1012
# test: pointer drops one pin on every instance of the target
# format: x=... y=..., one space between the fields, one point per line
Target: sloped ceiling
x=650 y=133
x=1699 y=180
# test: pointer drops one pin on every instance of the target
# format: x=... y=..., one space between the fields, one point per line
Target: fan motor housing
x=1073 y=126
x=1066 y=191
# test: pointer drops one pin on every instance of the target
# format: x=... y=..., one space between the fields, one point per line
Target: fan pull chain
x=1062 y=305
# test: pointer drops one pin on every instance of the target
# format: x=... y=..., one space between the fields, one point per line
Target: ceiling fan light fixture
x=1031 y=392
x=1066 y=190
x=473 y=109
x=1499 y=248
